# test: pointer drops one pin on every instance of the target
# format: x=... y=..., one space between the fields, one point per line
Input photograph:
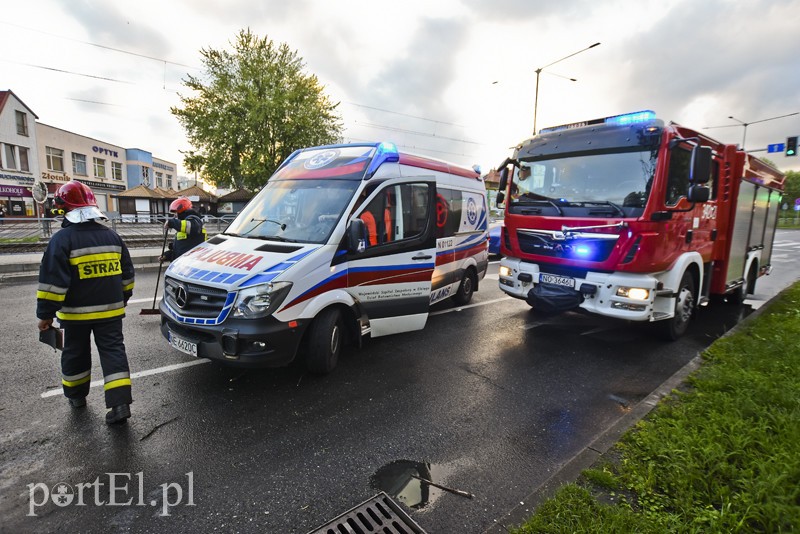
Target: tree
x=791 y=190
x=253 y=107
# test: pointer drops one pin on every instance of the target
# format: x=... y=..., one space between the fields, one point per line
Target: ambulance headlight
x=635 y=293
x=261 y=300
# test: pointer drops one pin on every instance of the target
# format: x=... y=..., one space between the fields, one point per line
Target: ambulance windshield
x=620 y=180
x=301 y=211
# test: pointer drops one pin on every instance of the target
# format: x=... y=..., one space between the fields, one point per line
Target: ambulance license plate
x=565 y=281
x=183 y=345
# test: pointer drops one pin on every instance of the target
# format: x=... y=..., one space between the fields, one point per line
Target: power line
x=405 y=114
x=43 y=67
x=414 y=132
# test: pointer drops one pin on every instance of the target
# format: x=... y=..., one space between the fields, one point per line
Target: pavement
x=24 y=267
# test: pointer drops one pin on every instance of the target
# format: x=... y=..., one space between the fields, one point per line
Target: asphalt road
x=486 y=399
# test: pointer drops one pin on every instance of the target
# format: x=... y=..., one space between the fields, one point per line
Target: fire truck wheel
x=325 y=336
x=674 y=328
x=466 y=288
x=747 y=288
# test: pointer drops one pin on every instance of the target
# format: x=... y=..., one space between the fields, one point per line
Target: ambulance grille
x=378 y=514
x=199 y=301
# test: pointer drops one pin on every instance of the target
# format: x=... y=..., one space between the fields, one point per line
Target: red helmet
x=73 y=195
x=180 y=205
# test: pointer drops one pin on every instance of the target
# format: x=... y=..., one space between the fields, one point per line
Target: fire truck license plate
x=557 y=280
x=183 y=345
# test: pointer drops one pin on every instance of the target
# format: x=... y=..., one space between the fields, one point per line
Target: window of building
x=22 y=123
x=55 y=159
x=23 y=159
x=146 y=176
x=11 y=159
x=99 y=168
x=159 y=179
x=116 y=170
x=169 y=181
x=79 y=164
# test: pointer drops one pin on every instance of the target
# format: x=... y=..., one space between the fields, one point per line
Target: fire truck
x=636 y=219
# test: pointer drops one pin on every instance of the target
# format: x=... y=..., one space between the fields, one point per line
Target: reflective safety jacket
x=86 y=275
x=190 y=230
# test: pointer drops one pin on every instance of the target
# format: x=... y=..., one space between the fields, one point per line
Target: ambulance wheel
x=672 y=329
x=325 y=337
x=466 y=288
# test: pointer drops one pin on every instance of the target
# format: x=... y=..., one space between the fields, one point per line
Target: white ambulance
x=343 y=241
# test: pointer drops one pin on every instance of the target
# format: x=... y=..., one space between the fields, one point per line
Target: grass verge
x=721 y=456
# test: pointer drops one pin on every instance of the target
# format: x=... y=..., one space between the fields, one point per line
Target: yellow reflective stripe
x=90 y=315
x=95 y=257
x=117 y=383
x=73 y=383
x=46 y=295
x=181 y=235
x=127 y=287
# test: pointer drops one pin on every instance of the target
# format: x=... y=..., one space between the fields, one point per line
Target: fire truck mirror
x=500 y=199
x=503 y=179
x=698 y=193
x=701 y=165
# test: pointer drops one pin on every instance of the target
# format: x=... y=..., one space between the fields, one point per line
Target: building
x=19 y=165
x=32 y=152
x=233 y=202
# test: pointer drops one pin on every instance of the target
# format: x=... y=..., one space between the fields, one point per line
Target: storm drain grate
x=378 y=514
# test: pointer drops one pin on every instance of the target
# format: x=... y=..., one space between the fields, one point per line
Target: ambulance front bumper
x=263 y=342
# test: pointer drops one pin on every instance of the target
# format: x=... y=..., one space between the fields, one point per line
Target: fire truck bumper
x=628 y=296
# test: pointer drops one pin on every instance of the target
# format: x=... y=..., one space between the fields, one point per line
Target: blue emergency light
x=384 y=152
x=631 y=118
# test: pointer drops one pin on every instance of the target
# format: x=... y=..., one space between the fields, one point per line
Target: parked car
x=494 y=237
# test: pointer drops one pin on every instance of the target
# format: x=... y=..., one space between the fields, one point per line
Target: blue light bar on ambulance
x=619 y=120
x=385 y=152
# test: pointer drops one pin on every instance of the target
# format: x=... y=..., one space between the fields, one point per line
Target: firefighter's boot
x=118 y=414
x=78 y=402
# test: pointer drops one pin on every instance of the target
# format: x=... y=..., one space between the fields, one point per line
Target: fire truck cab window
x=678 y=178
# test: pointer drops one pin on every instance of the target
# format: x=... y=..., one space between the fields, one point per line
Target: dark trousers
x=76 y=361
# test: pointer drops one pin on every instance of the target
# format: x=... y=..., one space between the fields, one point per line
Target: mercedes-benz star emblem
x=181 y=297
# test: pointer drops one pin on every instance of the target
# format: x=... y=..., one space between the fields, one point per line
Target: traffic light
x=791 y=146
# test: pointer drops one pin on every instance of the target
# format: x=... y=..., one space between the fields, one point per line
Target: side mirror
x=700 y=168
x=500 y=199
x=698 y=193
x=356 y=240
x=503 y=179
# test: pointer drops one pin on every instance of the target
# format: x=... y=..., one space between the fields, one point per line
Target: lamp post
x=746 y=124
x=539 y=71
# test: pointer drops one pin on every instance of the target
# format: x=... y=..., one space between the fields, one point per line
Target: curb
x=572 y=469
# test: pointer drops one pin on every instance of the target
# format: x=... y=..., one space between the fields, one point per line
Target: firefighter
x=85 y=280
x=189 y=225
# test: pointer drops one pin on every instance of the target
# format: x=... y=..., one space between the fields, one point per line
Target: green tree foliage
x=791 y=188
x=250 y=110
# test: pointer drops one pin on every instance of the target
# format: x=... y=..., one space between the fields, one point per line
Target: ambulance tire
x=324 y=342
x=672 y=329
x=466 y=288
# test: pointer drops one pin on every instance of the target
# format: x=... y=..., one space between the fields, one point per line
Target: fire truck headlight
x=635 y=293
x=261 y=300
x=504 y=271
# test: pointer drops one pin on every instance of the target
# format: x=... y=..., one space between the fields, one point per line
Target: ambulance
x=342 y=241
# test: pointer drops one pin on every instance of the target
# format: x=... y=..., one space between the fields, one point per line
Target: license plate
x=565 y=281
x=183 y=345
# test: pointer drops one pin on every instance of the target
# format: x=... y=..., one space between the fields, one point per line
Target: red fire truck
x=632 y=218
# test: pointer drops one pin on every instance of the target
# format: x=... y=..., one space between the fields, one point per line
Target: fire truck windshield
x=616 y=179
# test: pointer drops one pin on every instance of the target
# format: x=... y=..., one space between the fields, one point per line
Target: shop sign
x=14 y=191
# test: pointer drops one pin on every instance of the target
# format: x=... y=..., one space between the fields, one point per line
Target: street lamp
x=539 y=71
x=746 y=124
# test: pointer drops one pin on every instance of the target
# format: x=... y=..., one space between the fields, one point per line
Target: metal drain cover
x=378 y=514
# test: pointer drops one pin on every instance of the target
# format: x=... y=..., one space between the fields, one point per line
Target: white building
x=19 y=165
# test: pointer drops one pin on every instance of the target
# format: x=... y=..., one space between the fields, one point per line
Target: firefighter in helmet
x=85 y=280
x=189 y=226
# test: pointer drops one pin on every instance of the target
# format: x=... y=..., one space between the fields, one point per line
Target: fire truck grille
x=194 y=300
x=378 y=514
x=582 y=248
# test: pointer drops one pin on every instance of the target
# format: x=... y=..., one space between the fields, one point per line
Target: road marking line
x=156 y=371
x=469 y=306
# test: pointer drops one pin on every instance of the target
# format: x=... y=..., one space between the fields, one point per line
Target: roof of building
x=197 y=191
x=141 y=191
x=4 y=98
x=240 y=195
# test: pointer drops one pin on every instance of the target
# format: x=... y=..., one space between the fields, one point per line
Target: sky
x=451 y=79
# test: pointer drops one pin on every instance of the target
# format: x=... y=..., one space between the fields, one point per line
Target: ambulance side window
x=448 y=212
x=398 y=212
